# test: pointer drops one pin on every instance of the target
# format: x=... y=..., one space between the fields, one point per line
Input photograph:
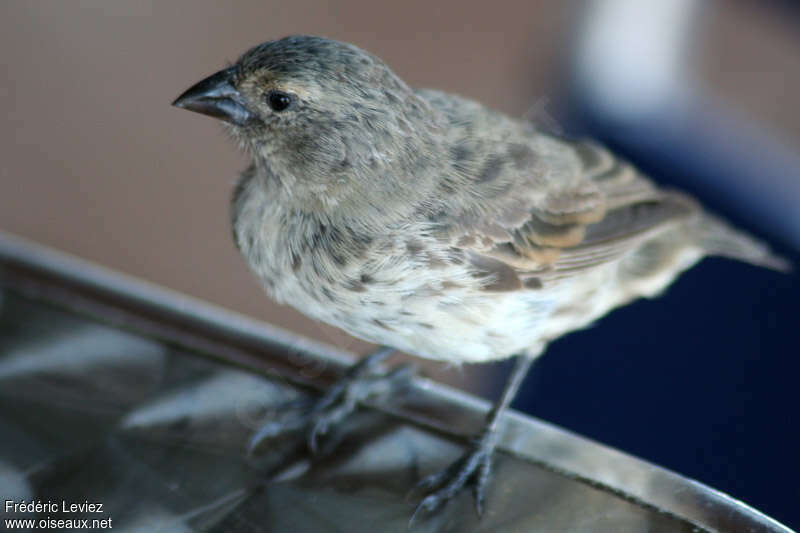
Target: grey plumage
x=428 y=222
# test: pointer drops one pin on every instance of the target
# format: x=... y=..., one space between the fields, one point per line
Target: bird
x=429 y=223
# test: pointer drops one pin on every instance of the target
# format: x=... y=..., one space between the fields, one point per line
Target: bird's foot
x=472 y=468
x=361 y=382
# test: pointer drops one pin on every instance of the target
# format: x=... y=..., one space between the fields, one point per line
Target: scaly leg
x=474 y=466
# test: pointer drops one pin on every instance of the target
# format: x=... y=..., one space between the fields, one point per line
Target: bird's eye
x=278 y=100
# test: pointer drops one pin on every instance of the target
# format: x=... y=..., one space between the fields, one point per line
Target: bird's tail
x=719 y=238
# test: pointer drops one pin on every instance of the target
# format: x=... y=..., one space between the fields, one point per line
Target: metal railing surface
x=116 y=391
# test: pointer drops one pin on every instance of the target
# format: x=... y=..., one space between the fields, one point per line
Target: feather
x=550 y=209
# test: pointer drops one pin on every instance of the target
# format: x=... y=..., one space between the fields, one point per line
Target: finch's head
x=315 y=110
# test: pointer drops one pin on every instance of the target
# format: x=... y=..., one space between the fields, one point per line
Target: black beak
x=216 y=97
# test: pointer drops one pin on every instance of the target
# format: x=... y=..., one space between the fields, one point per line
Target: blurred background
x=703 y=96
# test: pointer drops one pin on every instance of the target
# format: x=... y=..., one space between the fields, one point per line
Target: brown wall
x=97 y=163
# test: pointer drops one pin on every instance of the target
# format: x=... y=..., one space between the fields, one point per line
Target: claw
x=473 y=467
x=268 y=431
x=429 y=503
x=319 y=428
x=480 y=498
x=360 y=383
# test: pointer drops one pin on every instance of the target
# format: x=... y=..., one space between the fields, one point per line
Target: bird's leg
x=361 y=382
x=474 y=466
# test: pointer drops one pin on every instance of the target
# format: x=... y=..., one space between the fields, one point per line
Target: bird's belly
x=580 y=300
x=464 y=325
x=583 y=299
x=429 y=315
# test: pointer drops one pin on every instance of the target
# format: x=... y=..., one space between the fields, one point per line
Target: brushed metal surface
x=116 y=391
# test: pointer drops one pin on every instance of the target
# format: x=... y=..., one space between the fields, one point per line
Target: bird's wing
x=579 y=208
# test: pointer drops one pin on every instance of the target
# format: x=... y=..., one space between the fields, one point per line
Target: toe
x=431 y=481
x=473 y=468
x=273 y=429
x=319 y=428
x=481 y=481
